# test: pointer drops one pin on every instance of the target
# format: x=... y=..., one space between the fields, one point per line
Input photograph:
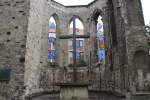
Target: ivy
x=53 y=64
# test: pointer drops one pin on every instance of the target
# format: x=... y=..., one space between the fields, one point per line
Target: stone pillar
x=107 y=32
x=33 y=47
x=140 y=79
x=93 y=40
x=128 y=96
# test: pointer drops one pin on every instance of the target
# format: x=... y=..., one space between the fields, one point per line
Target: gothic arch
x=140 y=53
x=138 y=49
x=56 y=17
x=95 y=14
x=82 y=21
x=141 y=60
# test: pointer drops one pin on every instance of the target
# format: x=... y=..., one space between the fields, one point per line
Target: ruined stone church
x=30 y=71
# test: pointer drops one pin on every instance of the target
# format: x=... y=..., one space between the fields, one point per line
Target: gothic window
x=100 y=41
x=52 y=40
x=79 y=41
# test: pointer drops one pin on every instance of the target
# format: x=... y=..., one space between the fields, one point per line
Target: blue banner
x=77 y=44
x=101 y=55
x=52 y=40
x=52 y=25
x=99 y=26
x=99 y=35
x=52 y=55
x=77 y=55
x=100 y=38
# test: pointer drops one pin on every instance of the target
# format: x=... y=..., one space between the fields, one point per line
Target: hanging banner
x=49 y=49
x=101 y=44
x=100 y=41
x=101 y=56
x=100 y=27
x=77 y=55
x=100 y=34
x=77 y=44
x=52 y=27
x=52 y=55
x=101 y=37
x=52 y=38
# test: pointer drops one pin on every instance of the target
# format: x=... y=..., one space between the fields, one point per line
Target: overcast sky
x=145 y=3
x=146 y=10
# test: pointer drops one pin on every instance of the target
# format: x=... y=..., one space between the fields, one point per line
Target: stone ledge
x=78 y=84
x=40 y=94
x=141 y=93
x=113 y=93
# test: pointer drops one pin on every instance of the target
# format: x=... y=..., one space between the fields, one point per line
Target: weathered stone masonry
x=23 y=47
x=13 y=34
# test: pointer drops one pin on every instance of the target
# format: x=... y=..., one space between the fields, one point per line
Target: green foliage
x=2 y=67
x=148 y=46
x=53 y=64
x=147 y=30
x=81 y=63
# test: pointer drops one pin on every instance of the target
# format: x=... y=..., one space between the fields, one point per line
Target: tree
x=147 y=30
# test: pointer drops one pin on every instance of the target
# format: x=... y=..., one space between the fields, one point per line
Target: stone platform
x=73 y=91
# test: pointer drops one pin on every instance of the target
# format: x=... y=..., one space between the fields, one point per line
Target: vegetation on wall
x=147 y=32
x=147 y=29
x=79 y=63
x=53 y=64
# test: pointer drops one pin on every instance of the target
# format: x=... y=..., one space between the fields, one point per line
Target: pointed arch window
x=52 y=40
x=79 y=41
x=100 y=41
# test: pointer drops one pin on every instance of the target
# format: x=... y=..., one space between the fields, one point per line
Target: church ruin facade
x=124 y=73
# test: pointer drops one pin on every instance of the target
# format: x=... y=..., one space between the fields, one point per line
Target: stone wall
x=13 y=34
x=63 y=15
x=135 y=37
x=130 y=38
x=116 y=72
x=24 y=40
x=33 y=46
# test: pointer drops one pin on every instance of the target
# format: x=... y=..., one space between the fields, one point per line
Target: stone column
x=33 y=48
x=93 y=40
